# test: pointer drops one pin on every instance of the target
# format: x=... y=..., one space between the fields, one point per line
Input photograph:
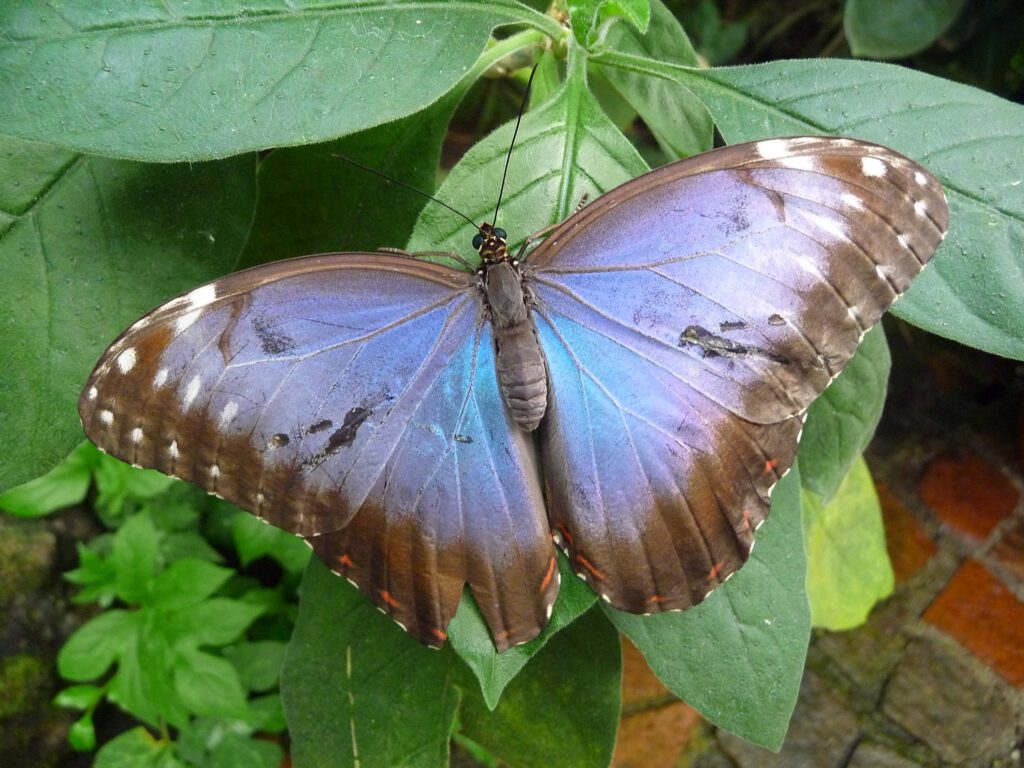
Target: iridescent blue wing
x=352 y=400
x=689 y=318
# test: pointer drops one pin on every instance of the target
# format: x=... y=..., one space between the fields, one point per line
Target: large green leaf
x=563 y=709
x=357 y=689
x=88 y=245
x=565 y=150
x=177 y=81
x=677 y=119
x=848 y=568
x=738 y=657
x=842 y=421
x=314 y=202
x=896 y=29
x=974 y=291
x=471 y=639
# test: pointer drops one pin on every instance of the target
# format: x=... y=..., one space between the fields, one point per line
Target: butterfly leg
x=545 y=230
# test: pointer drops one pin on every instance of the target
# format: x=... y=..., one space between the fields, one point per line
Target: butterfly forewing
x=350 y=399
x=689 y=318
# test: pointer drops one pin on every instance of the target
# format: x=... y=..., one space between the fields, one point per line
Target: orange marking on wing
x=590 y=567
x=565 y=533
x=440 y=634
x=746 y=520
x=770 y=465
x=715 y=570
x=346 y=561
x=548 y=576
x=657 y=598
x=387 y=598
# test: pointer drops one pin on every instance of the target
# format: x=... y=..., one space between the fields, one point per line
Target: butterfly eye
x=500 y=233
x=478 y=240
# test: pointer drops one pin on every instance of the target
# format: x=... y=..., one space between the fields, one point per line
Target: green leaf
x=144 y=682
x=238 y=751
x=217 y=621
x=563 y=709
x=313 y=202
x=187 y=582
x=566 y=150
x=259 y=663
x=896 y=30
x=78 y=697
x=471 y=640
x=87 y=246
x=62 y=486
x=121 y=486
x=135 y=557
x=209 y=685
x=841 y=422
x=151 y=82
x=974 y=290
x=255 y=538
x=848 y=568
x=738 y=657
x=82 y=734
x=679 y=122
x=355 y=684
x=135 y=749
x=590 y=18
x=96 y=575
x=97 y=644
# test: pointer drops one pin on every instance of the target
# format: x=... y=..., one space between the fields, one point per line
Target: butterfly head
x=491 y=243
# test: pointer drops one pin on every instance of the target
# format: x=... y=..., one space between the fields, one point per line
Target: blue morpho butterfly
x=630 y=389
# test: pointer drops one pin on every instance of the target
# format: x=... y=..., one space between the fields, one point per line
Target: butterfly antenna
x=410 y=187
x=508 y=157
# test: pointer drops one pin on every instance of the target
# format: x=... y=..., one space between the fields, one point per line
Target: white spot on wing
x=873 y=167
x=192 y=390
x=229 y=413
x=920 y=178
x=136 y=435
x=172 y=449
x=214 y=471
x=185 y=322
x=161 y=378
x=828 y=224
x=107 y=417
x=93 y=393
x=904 y=240
x=202 y=296
x=126 y=360
x=798 y=162
x=920 y=208
x=773 y=149
x=853 y=201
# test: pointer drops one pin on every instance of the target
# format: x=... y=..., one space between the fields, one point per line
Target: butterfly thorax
x=522 y=370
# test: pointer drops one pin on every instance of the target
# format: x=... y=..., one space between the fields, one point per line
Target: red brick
x=983 y=616
x=639 y=684
x=1010 y=551
x=654 y=737
x=967 y=493
x=909 y=544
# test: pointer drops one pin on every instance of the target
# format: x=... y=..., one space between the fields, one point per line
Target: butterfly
x=629 y=389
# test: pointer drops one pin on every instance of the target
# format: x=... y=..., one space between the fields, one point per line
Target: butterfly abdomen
x=522 y=371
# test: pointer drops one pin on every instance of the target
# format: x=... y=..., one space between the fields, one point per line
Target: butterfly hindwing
x=689 y=318
x=350 y=399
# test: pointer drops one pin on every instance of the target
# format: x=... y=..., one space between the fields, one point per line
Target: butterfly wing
x=352 y=400
x=689 y=319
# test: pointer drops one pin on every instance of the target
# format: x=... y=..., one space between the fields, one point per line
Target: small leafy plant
x=183 y=643
x=131 y=151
